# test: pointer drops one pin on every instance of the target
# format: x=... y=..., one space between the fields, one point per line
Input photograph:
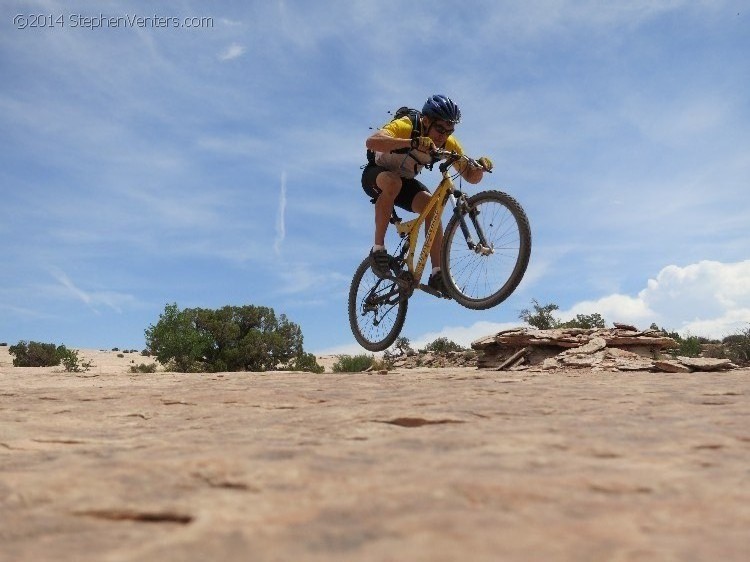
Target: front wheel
x=486 y=249
x=377 y=309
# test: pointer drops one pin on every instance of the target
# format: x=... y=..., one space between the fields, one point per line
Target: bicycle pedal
x=431 y=291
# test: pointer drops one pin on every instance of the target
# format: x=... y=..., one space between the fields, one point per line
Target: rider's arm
x=468 y=172
x=392 y=136
x=384 y=141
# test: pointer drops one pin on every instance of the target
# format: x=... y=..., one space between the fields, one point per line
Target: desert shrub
x=353 y=363
x=143 y=368
x=71 y=360
x=541 y=317
x=176 y=341
x=738 y=347
x=34 y=354
x=384 y=364
x=402 y=346
x=586 y=321
x=443 y=345
x=690 y=346
x=232 y=338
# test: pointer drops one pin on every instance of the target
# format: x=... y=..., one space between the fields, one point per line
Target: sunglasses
x=442 y=130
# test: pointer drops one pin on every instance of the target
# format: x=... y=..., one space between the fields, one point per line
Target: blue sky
x=218 y=165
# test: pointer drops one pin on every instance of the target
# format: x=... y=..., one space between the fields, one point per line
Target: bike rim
x=479 y=276
x=377 y=308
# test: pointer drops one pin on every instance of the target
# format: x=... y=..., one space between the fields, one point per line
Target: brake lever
x=476 y=164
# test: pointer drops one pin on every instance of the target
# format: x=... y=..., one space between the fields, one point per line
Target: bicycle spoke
x=376 y=309
x=488 y=273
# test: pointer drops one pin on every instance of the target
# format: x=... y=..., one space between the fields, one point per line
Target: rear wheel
x=377 y=309
x=486 y=249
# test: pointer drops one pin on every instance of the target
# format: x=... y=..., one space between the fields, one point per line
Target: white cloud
x=280 y=219
x=92 y=299
x=463 y=335
x=235 y=50
x=347 y=349
x=708 y=298
x=298 y=277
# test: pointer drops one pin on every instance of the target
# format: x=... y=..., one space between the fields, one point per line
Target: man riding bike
x=400 y=153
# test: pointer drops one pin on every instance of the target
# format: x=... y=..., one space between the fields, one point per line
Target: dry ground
x=450 y=464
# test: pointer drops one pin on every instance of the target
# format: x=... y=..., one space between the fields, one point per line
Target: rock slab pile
x=622 y=348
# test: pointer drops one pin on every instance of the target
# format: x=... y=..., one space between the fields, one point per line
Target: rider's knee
x=420 y=202
x=389 y=184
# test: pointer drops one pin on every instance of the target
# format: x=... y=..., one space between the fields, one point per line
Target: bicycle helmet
x=442 y=107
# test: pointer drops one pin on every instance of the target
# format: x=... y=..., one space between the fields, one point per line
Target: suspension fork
x=461 y=208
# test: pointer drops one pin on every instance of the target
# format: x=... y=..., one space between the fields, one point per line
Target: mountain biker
x=399 y=157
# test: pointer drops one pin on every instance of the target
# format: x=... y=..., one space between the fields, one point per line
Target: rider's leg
x=389 y=185
x=420 y=202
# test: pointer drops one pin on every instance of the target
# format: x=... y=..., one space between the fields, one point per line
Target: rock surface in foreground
x=420 y=465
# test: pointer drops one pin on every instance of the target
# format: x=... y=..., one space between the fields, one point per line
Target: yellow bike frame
x=411 y=228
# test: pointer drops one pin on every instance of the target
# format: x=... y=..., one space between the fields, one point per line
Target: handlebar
x=450 y=156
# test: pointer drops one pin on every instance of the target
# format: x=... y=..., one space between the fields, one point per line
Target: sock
x=377 y=247
x=435 y=270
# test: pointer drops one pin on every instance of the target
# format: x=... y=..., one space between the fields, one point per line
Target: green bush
x=689 y=346
x=244 y=338
x=541 y=317
x=35 y=354
x=738 y=347
x=176 y=341
x=353 y=364
x=585 y=321
x=443 y=345
x=402 y=346
x=71 y=361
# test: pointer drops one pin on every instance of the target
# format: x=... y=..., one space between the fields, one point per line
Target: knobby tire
x=479 y=282
x=390 y=317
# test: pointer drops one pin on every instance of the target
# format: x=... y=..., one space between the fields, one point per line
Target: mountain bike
x=486 y=249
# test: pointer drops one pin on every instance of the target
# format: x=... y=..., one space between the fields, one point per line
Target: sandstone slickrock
x=706 y=363
x=425 y=465
x=622 y=348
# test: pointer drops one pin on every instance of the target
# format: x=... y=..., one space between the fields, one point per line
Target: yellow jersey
x=409 y=163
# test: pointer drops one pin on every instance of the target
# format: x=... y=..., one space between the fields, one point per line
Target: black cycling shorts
x=409 y=187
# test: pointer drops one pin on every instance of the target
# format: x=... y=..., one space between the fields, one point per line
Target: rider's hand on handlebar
x=424 y=144
x=486 y=163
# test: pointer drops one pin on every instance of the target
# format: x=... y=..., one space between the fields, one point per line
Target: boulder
x=622 y=348
x=707 y=363
x=671 y=366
